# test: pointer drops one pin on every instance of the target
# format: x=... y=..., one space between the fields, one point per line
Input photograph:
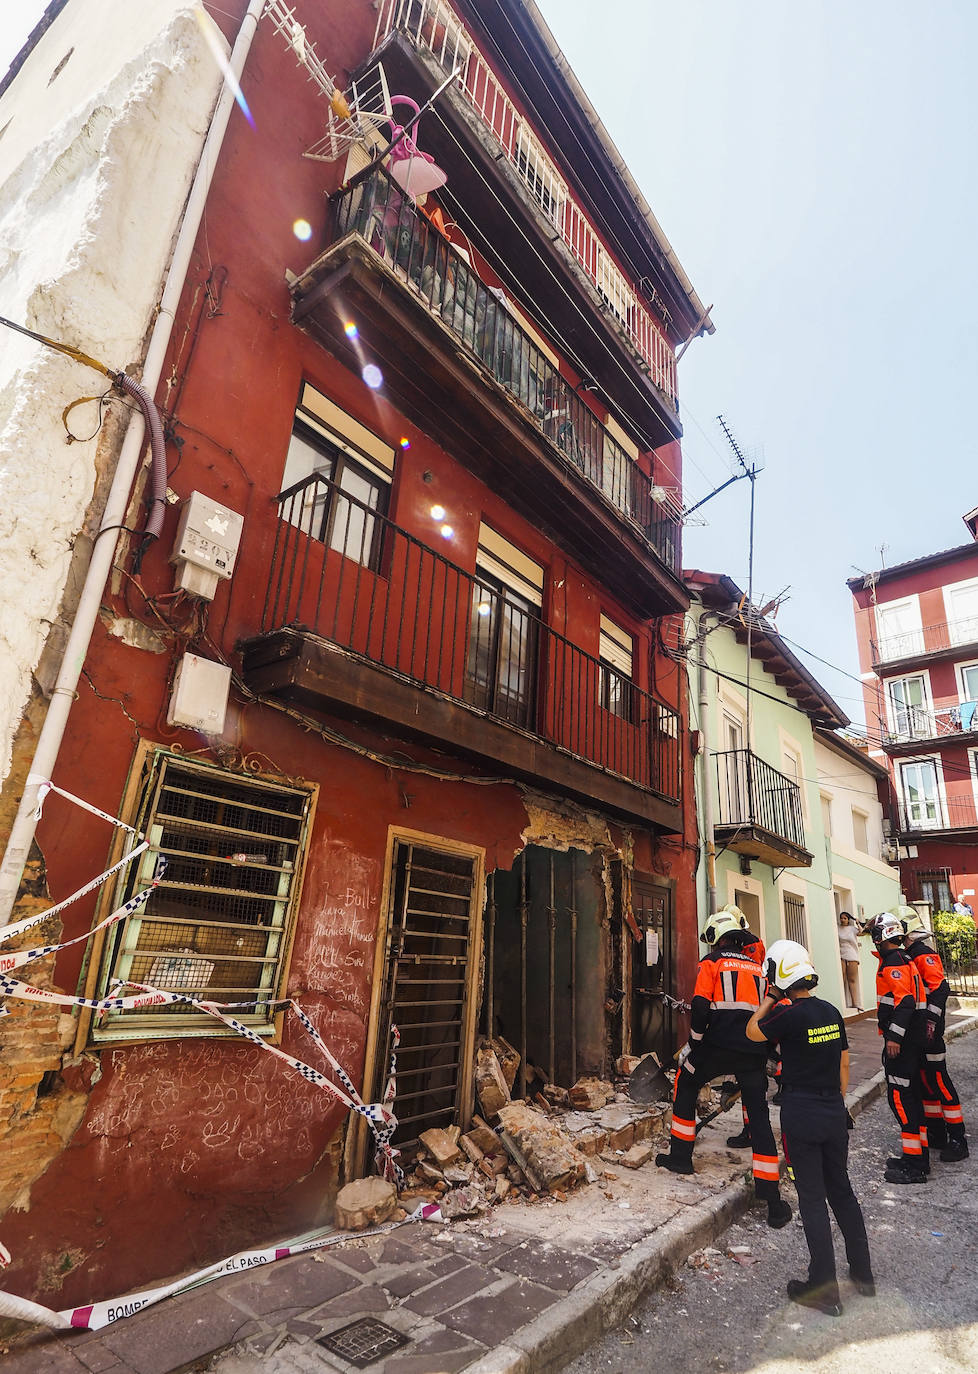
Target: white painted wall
x=95 y=166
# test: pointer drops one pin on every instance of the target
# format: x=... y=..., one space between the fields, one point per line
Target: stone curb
x=567 y=1328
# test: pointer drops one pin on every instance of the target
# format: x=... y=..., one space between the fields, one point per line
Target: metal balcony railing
x=434 y=27
x=927 y=640
x=347 y=574
x=751 y=792
x=946 y=720
x=938 y=813
x=386 y=219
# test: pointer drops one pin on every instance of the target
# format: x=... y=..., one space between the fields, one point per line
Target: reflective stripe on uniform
x=911 y=1143
x=683 y=1130
x=765 y=1166
x=953 y=1116
x=932 y=1109
x=895 y=1030
x=900 y=1082
x=901 y=1114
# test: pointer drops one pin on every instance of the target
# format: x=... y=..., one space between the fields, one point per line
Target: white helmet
x=723 y=923
x=885 y=927
x=788 y=963
x=911 y=920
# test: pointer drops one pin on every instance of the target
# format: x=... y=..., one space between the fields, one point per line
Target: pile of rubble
x=522 y=1149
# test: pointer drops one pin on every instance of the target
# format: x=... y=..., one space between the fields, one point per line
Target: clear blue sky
x=813 y=163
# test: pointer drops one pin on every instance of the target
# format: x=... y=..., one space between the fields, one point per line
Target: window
x=504 y=631
x=909 y=715
x=969 y=696
x=219 y=923
x=826 y=816
x=962 y=612
x=921 y=795
x=934 y=886
x=860 y=831
x=337 y=479
x=731 y=770
x=616 y=652
x=898 y=628
x=795 y=923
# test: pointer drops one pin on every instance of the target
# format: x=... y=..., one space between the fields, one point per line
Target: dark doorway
x=546 y=956
x=652 y=968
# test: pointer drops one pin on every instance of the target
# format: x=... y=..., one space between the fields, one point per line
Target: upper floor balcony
x=949 y=720
x=944 y=640
x=455 y=359
x=361 y=618
x=483 y=141
x=758 y=811
x=934 y=814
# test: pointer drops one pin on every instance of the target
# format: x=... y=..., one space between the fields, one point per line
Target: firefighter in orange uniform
x=900 y=1016
x=943 y=1128
x=729 y=987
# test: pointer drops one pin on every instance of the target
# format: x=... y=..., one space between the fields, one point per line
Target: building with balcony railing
x=782 y=838
x=917 y=633
x=413 y=751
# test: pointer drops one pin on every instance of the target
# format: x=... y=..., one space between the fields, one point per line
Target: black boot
x=674 y=1164
x=741 y=1141
x=899 y=1161
x=866 y=1288
x=937 y=1136
x=908 y=1170
x=778 y=1213
x=823 y=1299
x=955 y=1150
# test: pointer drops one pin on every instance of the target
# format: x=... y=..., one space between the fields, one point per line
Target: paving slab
x=448 y=1292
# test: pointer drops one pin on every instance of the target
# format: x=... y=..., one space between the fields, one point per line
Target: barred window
x=795 y=923
x=219 y=923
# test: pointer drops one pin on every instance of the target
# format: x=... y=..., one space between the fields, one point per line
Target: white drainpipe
x=83 y=625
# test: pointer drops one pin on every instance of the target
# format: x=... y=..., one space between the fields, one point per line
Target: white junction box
x=200 y=695
x=206 y=545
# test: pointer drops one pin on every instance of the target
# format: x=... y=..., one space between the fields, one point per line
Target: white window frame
x=949 y=590
x=960 y=670
x=935 y=760
x=917 y=628
x=826 y=800
x=893 y=710
x=864 y=817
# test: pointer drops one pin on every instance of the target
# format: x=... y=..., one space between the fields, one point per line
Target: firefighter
x=900 y=1015
x=815 y=1058
x=728 y=989
x=943 y=1127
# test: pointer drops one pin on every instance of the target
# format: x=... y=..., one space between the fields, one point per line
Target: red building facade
x=449 y=788
x=917 y=631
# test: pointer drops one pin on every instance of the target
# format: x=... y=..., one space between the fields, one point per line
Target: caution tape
x=94 y=1316
x=45 y=785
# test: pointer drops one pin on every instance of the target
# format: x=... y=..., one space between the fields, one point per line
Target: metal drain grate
x=363 y=1342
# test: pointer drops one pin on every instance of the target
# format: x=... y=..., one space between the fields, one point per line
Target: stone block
x=637 y=1156
x=365 y=1202
x=590 y=1094
x=622 y=1139
x=490 y=1085
x=442 y=1147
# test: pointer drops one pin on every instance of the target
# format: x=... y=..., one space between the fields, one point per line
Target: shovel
x=647 y=1083
x=729 y=1093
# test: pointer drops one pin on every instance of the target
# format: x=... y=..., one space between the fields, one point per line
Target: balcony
x=455 y=360
x=362 y=619
x=759 y=812
x=935 y=815
x=950 y=720
x=946 y=640
x=433 y=28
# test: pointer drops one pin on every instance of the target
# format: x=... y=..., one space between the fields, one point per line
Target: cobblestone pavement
x=528 y=1282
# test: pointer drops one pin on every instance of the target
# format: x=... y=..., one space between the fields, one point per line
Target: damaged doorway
x=429 y=950
x=546 y=965
x=652 y=969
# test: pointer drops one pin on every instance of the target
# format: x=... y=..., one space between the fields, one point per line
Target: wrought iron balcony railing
x=938 y=813
x=434 y=28
x=947 y=720
x=929 y=639
x=345 y=573
x=434 y=269
x=749 y=792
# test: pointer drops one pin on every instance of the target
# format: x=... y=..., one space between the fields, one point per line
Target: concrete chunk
x=490 y=1085
x=365 y=1202
x=637 y=1156
x=441 y=1146
x=590 y=1094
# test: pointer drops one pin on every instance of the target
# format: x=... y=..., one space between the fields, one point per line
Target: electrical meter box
x=206 y=546
x=200 y=695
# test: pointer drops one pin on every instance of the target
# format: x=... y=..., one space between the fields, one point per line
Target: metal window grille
x=217 y=926
x=795 y=924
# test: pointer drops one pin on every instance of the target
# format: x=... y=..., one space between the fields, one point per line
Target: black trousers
x=942 y=1106
x=818 y=1143
x=705 y=1063
x=904 y=1087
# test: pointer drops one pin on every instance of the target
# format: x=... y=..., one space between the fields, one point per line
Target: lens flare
x=350 y=330
x=447 y=531
x=373 y=376
x=438 y=512
x=302 y=230
x=405 y=443
x=484 y=608
x=215 y=40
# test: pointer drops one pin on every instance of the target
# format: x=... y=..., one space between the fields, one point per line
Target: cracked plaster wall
x=95 y=165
